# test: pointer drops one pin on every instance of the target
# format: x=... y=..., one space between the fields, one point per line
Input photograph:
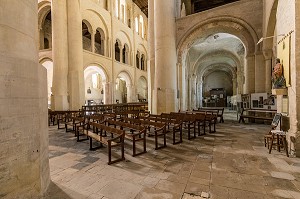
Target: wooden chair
x=276 y=120
x=281 y=136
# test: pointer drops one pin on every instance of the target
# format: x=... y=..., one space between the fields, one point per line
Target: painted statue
x=277 y=75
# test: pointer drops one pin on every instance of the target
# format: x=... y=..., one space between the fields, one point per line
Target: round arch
x=230 y=25
x=124 y=90
x=142 y=89
x=44 y=8
x=268 y=43
x=124 y=38
x=48 y=64
x=95 y=79
x=212 y=54
x=104 y=23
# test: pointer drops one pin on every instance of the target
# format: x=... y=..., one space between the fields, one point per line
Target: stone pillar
x=107 y=93
x=193 y=92
x=102 y=51
x=200 y=86
x=93 y=41
x=130 y=93
x=121 y=53
x=249 y=86
x=23 y=104
x=75 y=76
x=189 y=93
x=151 y=55
x=60 y=55
x=268 y=67
x=165 y=88
x=260 y=73
x=234 y=86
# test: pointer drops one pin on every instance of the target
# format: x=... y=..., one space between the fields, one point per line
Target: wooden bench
x=189 y=122
x=133 y=132
x=154 y=129
x=218 y=111
x=260 y=114
x=116 y=140
x=73 y=123
x=64 y=117
x=174 y=123
x=210 y=119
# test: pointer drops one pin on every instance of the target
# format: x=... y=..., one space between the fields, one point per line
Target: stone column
x=23 y=104
x=268 y=66
x=260 y=73
x=234 y=86
x=107 y=93
x=200 y=86
x=165 y=88
x=60 y=55
x=102 y=51
x=193 y=92
x=190 y=92
x=121 y=53
x=130 y=93
x=75 y=76
x=249 y=86
x=93 y=41
x=151 y=55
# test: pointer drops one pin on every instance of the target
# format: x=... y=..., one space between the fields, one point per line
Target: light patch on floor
x=282 y=175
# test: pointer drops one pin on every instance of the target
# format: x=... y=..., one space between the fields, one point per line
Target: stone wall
x=286 y=23
x=24 y=161
x=217 y=79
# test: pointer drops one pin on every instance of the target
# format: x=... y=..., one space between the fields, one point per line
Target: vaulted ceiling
x=143 y=5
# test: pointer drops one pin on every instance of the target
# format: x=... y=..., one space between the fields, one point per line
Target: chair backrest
x=285 y=124
x=276 y=120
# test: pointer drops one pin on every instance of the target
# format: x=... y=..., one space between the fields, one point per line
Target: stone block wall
x=286 y=23
x=24 y=164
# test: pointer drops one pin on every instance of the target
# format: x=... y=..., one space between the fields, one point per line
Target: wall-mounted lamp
x=263 y=38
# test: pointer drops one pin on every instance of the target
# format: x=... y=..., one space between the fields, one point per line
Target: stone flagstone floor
x=231 y=163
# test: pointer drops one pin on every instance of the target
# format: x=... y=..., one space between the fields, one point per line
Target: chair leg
x=270 y=149
x=285 y=145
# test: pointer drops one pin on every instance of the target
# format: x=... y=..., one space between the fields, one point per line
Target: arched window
x=138 y=59
x=125 y=54
x=143 y=62
x=136 y=25
x=128 y=17
x=141 y=28
x=96 y=81
x=117 y=51
x=86 y=37
x=46 y=43
x=117 y=8
x=46 y=32
x=122 y=11
x=99 y=41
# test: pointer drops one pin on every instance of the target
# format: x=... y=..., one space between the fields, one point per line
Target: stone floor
x=231 y=163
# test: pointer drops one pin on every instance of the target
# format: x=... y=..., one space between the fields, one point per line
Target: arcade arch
x=48 y=64
x=142 y=89
x=217 y=42
x=95 y=79
x=124 y=88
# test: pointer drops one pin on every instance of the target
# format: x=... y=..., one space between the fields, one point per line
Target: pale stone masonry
x=24 y=157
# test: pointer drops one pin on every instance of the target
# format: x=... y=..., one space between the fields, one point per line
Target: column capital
x=268 y=53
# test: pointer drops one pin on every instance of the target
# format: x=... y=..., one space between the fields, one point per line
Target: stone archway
x=96 y=89
x=124 y=91
x=209 y=28
x=142 y=89
x=48 y=64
